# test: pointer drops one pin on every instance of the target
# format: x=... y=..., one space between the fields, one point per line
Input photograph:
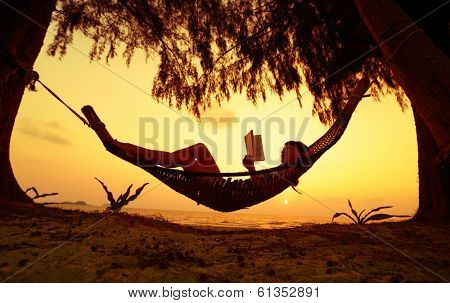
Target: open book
x=254 y=146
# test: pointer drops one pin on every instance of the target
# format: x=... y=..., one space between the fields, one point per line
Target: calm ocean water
x=216 y=219
x=233 y=220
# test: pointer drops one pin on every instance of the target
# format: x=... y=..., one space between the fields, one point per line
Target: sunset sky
x=374 y=164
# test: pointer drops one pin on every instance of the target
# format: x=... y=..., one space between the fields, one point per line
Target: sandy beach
x=43 y=244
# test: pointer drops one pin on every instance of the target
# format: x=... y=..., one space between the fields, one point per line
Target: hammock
x=226 y=195
x=222 y=194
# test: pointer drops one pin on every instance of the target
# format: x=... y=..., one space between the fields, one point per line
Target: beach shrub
x=361 y=218
x=37 y=195
x=125 y=198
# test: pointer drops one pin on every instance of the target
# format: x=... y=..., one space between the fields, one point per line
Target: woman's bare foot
x=97 y=125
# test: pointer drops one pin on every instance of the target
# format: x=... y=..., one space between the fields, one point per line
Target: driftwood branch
x=37 y=195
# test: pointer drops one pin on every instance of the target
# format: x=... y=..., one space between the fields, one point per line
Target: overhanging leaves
x=209 y=49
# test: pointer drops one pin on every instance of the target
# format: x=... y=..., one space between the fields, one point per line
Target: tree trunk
x=20 y=40
x=423 y=71
x=421 y=68
x=434 y=189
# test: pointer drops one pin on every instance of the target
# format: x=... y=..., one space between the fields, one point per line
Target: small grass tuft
x=361 y=218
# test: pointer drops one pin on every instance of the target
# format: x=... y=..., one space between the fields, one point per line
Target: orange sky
x=375 y=162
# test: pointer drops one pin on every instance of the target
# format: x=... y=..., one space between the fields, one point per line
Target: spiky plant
x=125 y=198
x=361 y=218
x=37 y=195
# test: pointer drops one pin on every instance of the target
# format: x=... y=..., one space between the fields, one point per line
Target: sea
x=231 y=220
x=217 y=219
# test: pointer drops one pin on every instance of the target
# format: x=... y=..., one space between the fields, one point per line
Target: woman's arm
x=249 y=164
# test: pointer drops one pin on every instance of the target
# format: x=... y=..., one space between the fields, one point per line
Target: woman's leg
x=193 y=158
x=134 y=154
x=196 y=157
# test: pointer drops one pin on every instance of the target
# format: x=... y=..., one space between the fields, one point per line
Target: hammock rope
x=219 y=191
x=32 y=85
x=35 y=79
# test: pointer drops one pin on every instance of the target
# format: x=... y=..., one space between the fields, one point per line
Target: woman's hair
x=304 y=159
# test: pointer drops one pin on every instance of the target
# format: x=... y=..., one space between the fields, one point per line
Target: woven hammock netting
x=231 y=194
x=228 y=194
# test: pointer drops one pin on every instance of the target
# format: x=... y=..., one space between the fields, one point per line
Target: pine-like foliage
x=209 y=49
